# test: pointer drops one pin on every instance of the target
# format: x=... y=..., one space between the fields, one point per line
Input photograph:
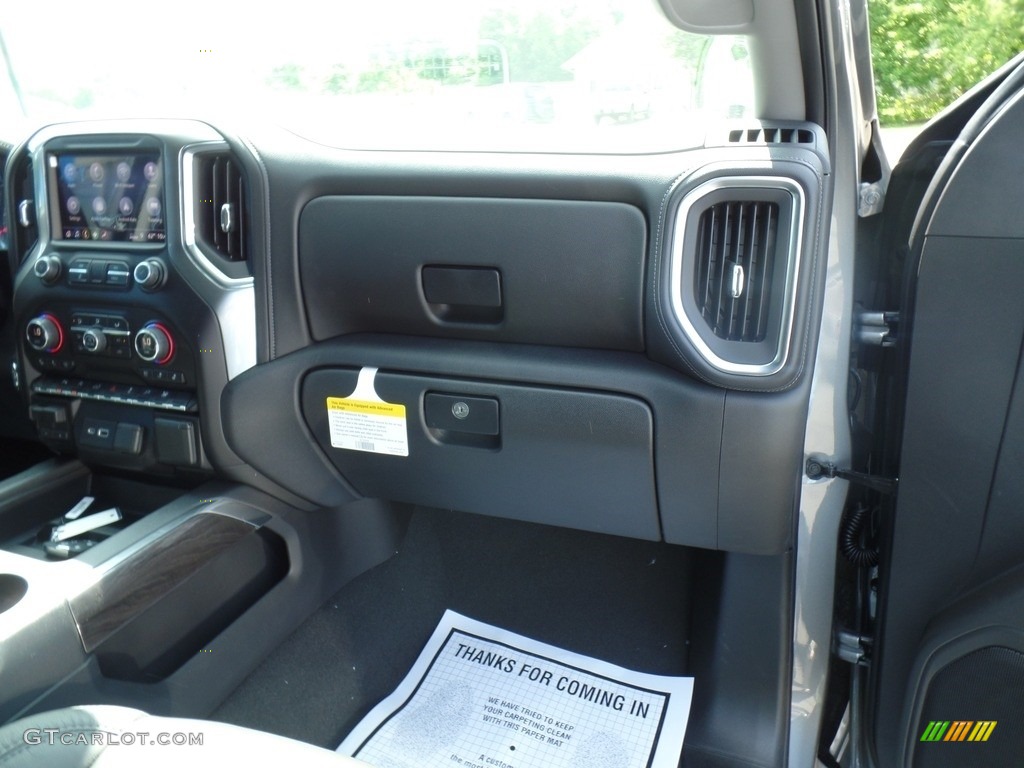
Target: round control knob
x=94 y=341
x=48 y=269
x=150 y=274
x=154 y=344
x=44 y=334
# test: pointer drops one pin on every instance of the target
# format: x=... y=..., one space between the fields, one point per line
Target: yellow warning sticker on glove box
x=362 y=425
x=364 y=422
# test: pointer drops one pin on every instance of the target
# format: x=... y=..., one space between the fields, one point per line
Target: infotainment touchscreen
x=107 y=197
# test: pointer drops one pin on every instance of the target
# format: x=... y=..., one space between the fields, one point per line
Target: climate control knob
x=48 y=269
x=150 y=274
x=44 y=334
x=154 y=344
x=94 y=341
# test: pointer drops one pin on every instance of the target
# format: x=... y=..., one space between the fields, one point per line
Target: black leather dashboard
x=556 y=289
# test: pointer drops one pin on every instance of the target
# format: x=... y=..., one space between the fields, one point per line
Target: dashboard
x=133 y=301
x=545 y=326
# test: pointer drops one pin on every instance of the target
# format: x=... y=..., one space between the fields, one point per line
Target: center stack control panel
x=109 y=328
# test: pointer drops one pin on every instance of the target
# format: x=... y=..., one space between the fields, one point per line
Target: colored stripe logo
x=959 y=730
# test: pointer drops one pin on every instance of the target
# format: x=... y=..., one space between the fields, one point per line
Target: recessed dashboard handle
x=464 y=294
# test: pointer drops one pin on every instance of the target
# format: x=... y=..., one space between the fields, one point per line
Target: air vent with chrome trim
x=220 y=205
x=734 y=270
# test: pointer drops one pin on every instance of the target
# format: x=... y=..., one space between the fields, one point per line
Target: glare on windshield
x=548 y=75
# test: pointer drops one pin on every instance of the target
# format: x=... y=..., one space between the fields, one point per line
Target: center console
x=133 y=298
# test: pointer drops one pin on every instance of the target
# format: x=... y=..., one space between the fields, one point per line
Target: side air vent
x=220 y=205
x=734 y=268
x=763 y=135
x=24 y=226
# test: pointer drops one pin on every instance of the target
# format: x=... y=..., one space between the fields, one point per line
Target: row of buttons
x=106 y=322
x=122 y=394
x=161 y=376
x=54 y=364
x=93 y=272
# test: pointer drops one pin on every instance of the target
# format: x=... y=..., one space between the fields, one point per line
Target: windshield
x=548 y=75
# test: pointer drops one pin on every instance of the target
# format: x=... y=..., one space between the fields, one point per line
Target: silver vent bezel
x=235 y=303
x=690 y=209
x=188 y=216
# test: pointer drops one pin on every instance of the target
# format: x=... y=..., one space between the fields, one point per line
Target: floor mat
x=481 y=696
x=620 y=600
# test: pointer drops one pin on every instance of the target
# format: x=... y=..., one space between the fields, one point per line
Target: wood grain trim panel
x=151 y=573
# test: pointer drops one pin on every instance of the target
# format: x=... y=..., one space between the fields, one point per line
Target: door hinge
x=877 y=329
x=818 y=469
x=852 y=648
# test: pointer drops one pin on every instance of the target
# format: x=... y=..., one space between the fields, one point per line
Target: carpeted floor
x=620 y=600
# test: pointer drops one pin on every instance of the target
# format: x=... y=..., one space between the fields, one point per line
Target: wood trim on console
x=152 y=572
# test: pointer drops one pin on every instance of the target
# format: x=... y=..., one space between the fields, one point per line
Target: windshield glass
x=547 y=75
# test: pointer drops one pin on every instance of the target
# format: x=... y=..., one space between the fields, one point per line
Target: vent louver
x=771 y=136
x=221 y=207
x=734 y=268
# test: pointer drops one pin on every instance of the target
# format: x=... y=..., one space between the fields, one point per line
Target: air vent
x=734 y=268
x=221 y=208
x=23 y=230
x=762 y=135
x=734 y=272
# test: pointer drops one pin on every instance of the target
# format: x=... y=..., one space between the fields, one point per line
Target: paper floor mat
x=481 y=697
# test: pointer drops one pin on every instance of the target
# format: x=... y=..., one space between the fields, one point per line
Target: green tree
x=928 y=52
x=339 y=80
x=286 y=77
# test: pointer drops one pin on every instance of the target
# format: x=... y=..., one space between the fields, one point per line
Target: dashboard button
x=117 y=274
x=79 y=271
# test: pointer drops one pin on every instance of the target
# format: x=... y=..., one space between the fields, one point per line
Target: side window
x=927 y=53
